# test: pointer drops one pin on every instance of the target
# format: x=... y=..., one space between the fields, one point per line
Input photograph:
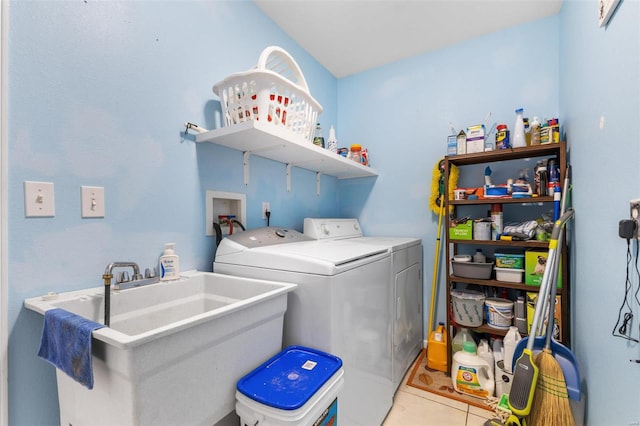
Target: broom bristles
x=551 y=401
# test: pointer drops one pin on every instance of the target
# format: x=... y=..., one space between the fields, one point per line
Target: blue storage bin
x=297 y=386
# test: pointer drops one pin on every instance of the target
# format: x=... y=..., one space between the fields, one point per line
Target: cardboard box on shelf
x=475 y=139
x=535 y=262
x=462 y=231
x=452 y=145
x=532 y=298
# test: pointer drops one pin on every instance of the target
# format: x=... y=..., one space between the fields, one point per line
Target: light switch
x=92 y=199
x=38 y=199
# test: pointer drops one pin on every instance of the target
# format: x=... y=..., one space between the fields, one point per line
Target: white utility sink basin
x=175 y=350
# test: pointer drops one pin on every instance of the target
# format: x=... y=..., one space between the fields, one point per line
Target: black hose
x=107 y=304
x=239 y=224
x=218 y=230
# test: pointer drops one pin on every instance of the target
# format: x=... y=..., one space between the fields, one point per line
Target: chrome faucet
x=123 y=282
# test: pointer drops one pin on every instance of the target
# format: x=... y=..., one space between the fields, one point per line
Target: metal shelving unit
x=557 y=150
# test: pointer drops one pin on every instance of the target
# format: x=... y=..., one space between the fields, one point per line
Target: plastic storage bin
x=481 y=271
x=467 y=307
x=509 y=275
x=298 y=386
x=273 y=92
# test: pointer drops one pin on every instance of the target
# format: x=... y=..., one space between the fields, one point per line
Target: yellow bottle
x=437 y=349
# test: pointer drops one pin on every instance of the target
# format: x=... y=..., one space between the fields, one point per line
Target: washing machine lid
x=326 y=257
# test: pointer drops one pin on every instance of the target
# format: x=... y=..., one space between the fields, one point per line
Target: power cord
x=267 y=213
x=624 y=330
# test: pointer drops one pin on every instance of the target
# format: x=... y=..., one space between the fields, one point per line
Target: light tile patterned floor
x=415 y=407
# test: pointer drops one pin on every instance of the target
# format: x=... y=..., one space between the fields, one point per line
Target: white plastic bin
x=298 y=386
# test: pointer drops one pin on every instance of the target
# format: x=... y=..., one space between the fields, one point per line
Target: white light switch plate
x=39 y=199
x=92 y=198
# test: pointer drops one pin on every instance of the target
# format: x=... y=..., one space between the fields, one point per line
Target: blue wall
x=403 y=111
x=600 y=80
x=98 y=92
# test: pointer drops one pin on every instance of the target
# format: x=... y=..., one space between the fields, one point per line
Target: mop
x=436 y=203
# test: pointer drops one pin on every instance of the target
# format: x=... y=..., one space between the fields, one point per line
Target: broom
x=551 y=401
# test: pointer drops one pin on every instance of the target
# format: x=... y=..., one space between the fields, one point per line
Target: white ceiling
x=350 y=36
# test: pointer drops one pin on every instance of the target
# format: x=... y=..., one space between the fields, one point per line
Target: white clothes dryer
x=405 y=281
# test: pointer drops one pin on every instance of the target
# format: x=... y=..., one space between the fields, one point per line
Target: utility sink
x=174 y=351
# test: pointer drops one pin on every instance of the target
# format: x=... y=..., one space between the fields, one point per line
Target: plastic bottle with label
x=510 y=341
x=518 y=130
x=437 y=349
x=318 y=137
x=485 y=352
x=553 y=173
x=169 y=264
x=332 y=142
x=535 y=131
x=471 y=374
x=355 y=153
x=479 y=257
x=496 y=221
x=463 y=335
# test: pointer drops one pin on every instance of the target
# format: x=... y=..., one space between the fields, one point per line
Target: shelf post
x=318 y=174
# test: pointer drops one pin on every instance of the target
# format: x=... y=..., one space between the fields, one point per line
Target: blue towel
x=66 y=343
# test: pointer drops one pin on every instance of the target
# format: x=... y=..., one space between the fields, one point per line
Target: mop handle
x=563 y=209
x=547 y=275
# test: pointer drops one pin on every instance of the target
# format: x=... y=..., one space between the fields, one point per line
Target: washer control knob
x=280 y=233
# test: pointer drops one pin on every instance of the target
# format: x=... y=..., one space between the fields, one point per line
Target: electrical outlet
x=265 y=208
x=634 y=212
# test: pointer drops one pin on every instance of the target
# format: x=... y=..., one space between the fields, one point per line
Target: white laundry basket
x=273 y=92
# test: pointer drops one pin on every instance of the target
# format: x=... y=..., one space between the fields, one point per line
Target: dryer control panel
x=321 y=229
x=267 y=236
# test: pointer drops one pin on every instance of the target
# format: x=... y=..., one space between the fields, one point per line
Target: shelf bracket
x=245 y=164
x=289 y=165
x=318 y=174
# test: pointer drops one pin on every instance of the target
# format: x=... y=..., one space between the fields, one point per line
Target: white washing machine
x=341 y=305
x=405 y=280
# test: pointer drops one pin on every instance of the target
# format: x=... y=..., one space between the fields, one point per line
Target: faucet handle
x=122 y=277
x=150 y=273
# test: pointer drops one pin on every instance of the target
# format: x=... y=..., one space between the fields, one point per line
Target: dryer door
x=407 y=333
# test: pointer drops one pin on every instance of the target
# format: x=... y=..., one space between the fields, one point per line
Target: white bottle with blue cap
x=518 y=134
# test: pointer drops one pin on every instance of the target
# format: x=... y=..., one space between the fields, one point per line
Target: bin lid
x=289 y=379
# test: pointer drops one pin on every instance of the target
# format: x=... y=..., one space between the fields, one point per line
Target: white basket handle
x=276 y=59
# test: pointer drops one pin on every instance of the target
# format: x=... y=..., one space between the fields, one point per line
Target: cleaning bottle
x=518 y=133
x=471 y=374
x=463 y=335
x=535 y=131
x=479 y=257
x=169 y=264
x=485 y=352
x=332 y=143
x=318 y=137
x=437 y=349
x=510 y=341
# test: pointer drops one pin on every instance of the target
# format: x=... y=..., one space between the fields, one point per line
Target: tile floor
x=415 y=407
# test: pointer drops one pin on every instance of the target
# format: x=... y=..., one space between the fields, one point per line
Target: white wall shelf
x=278 y=144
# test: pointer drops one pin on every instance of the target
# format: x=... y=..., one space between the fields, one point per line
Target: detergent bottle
x=463 y=335
x=470 y=374
x=485 y=352
x=510 y=341
x=437 y=349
